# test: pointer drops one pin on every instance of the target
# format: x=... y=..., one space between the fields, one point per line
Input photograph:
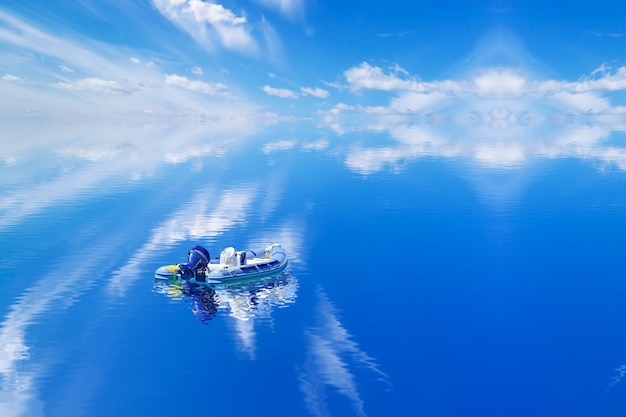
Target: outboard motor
x=198 y=258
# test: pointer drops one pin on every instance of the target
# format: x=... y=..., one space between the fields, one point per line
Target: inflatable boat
x=230 y=266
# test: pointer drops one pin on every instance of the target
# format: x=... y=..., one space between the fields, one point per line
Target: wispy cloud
x=393 y=34
x=606 y=34
x=98 y=61
x=96 y=85
x=292 y=9
x=332 y=358
x=621 y=372
x=82 y=78
x=210 y=24
x=197 y=71
x=11 y=77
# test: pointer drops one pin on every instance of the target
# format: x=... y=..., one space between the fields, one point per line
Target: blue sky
x=279 y=55
x=522 y=79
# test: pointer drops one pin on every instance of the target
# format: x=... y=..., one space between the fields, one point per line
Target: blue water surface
x=418 y=285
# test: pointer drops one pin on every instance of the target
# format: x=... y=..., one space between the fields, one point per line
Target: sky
x=522 y=79
x=292 y=58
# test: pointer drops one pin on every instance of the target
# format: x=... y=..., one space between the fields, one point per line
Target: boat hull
x=236 y=267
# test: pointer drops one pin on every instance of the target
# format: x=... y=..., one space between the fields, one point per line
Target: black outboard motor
x=198 y=258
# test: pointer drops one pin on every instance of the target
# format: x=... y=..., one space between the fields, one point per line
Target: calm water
x=420 y=283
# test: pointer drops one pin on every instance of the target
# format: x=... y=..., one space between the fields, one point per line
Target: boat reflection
x=201 y=298
x=242 y=300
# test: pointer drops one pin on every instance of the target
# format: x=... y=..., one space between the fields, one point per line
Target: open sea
x=420 y=282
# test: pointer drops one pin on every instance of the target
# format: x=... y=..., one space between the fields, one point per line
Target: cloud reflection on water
x=249 y=303
x=248 y=307
x=252 y=304
x=332 y=358
x=99 y=80
x=210 y=213
x=52 y=165
x=498 y=118
x=205 y=217
x=54 y=291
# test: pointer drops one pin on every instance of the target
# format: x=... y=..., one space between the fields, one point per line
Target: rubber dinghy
x=231 y=265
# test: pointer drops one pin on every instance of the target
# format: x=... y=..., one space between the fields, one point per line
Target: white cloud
x=366 y=76
x=211 y=89
x=315 y=92
x=500 y=83
x=279 y=92
x=580 y=102
x=210 y=12
x=66 y=69
x=607 y=81
x=489 y=82
x=500 y=117
x=197 y=71
x=135 y=60
x=209 y=23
